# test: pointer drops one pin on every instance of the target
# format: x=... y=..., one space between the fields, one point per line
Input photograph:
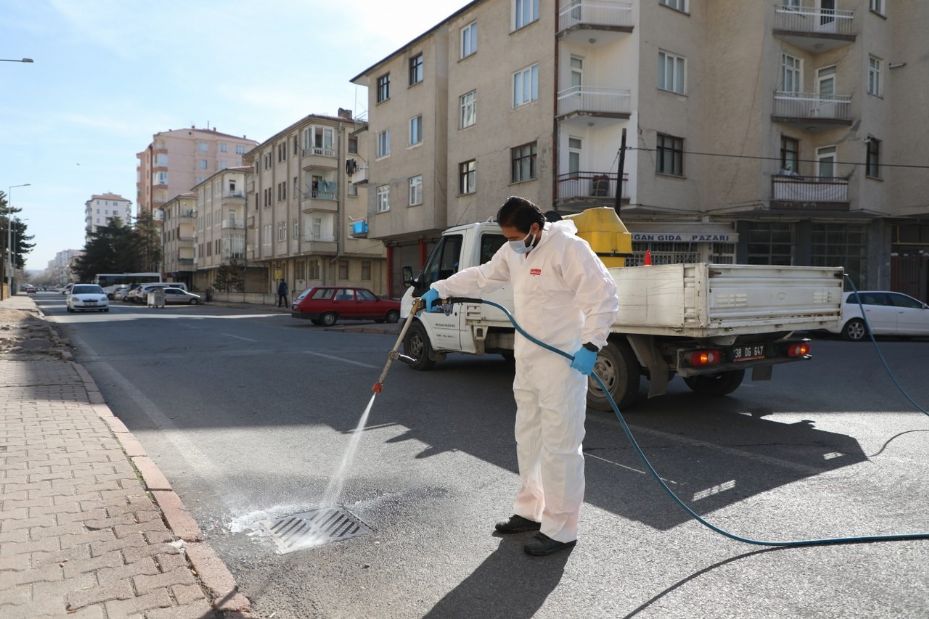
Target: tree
x=149 y=239
x=21 y=240
x=229 y=277
x=113 y=248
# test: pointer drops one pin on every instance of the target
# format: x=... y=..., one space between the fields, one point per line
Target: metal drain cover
x=315 y=528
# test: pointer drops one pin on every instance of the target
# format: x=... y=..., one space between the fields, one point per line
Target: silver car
x=176 y=295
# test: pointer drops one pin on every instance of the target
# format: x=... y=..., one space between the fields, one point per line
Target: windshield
x=87 y=289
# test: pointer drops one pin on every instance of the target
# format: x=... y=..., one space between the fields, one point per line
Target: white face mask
x=520 y=247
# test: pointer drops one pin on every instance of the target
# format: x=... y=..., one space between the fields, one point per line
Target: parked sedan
x=888 y=313
x=176 y=295
x=87 y=297
x=325 y=305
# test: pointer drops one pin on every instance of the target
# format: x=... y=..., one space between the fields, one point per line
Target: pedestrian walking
x=564 y=296
x=282 y=293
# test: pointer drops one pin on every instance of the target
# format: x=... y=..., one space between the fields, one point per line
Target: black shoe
x=517 y=524
x=542 y=545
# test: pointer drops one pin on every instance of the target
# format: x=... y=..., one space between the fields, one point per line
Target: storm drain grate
x=315 y=528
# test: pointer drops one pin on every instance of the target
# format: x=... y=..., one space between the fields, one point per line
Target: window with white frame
x=266 y=234
x=468 y=40
x=383 y=198
x=877 y=6
x=526 y=85
x=295 y=235
x=874 y=76
x=416 y=130
x=202 y=164
x=383 y=143
x=677 y=5
x=467 y=109
x=416 y=190
x=467 y=177
x=672 y=71
x=524 y=13
x=203 y=147
x=319 y=141
x=282 y=231
x=791 y=74
x=240 y=149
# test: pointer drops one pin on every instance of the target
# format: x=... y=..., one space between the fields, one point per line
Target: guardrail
x=595 y=13
x=582 y=99
x=811 y=106
x=810 y=20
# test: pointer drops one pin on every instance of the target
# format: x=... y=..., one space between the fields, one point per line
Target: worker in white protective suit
x=564 y=296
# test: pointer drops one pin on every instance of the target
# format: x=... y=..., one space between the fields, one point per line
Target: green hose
x=828 y=541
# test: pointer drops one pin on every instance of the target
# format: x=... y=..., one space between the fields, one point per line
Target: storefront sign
x=684 y=237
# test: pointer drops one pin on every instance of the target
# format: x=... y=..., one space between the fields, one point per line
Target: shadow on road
x=507 y=584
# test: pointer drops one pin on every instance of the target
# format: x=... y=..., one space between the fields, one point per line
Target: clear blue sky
x=110 y=73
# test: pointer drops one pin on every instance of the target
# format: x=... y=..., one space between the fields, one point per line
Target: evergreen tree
x=21 y=240
x=148 y=236
x=113 y=248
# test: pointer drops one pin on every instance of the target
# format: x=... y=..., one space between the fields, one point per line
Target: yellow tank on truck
x=606 y=233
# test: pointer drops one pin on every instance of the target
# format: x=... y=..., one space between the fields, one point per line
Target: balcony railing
x=317 y=194
x=809 y=189
x=594 y=101
x=234 y=194
x=591 y=14
x=318 y=151
x=590 y=186
x=811 y=106
x=188 y=214
x=233 y=224
x=810 y=20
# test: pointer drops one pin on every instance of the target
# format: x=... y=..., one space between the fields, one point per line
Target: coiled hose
x=828 y=541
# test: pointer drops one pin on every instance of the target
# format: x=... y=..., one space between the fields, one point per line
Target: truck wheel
x=720 y=384
x=620 y=371
x=855 y=330
x=416 y=346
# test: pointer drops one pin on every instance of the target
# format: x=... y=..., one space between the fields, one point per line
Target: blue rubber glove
x=430 y=298
x=584 y=361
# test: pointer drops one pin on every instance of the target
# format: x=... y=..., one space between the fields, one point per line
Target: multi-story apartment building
x=307 y=206
x=178 y=236
x=178 y=159
x=757 y=132
x=59 y=267
x=102 y=208
x=220 y=233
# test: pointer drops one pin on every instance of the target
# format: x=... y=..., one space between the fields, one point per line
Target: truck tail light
x=799 y=350
x=705 y=358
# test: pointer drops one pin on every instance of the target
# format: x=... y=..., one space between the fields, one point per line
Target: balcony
x=319 y=158
x=185 y=264
x=809 y=192
x=812 y=110
x=813 y=29
x=590 y=189
x=319 y=201
x=188 y=214
x=319 y=247
x=233 y=195
x=598 y=102
x=578 y=17
x=233 y=224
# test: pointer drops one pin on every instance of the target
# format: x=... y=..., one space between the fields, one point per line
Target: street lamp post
x=9 y=236
x=26 y=60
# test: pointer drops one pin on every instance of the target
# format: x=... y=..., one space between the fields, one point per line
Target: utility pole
x=617 y=206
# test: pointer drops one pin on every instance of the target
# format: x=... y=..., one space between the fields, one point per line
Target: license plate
x=748 y=353
x=90 y=302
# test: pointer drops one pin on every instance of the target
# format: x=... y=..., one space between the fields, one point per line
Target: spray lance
x=394 y=353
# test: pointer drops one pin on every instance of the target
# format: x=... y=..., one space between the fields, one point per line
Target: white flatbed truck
x=708 y=323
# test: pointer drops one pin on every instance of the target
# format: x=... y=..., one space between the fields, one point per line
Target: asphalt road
x=248 y=414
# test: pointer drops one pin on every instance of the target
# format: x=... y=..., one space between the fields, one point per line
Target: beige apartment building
x=307 y=207
x=756 y=132
x=219 y=249
x=178 y=236
x=178 y=159
x=103 y=208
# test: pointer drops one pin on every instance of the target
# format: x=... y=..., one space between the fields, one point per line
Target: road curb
x=214 y=576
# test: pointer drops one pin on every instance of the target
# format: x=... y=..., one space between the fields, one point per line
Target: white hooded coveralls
x=564 y=296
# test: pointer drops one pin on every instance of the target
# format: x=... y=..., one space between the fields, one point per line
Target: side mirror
x=408 y=279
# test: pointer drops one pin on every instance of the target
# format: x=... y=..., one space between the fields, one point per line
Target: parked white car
x=176 y=295
x=87 y=297
x=888 y=313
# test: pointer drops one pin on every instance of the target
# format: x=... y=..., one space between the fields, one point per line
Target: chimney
x=345 y=114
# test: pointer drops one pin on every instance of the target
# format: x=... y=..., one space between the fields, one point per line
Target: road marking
x=342 y=359
x=628 y=468
x=239 y=337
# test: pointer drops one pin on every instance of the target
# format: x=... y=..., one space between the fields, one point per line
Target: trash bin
x=156 y=298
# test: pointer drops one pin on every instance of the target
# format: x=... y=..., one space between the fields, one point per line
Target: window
x=383 y=143
x=366 y=270
x=669 y=157
x=671 y=72
x=319 y=141
x=467 y=109
x=468 y=40
x=902 y=300
x=416 y=69
x=825 y=162
x=282 y=231
x=295 y=234
x=223 y=147
x=677 y=5
x=791 y=74
x=575 y=148
x=524 y=13
x=282 y=152
x=202 y=164
x=266 y=234
x=383 y=88
x=490 y=243
x=416 y=190
x=769 y=243
x=467 y=177
x=314 y=274
x=383 y=198
x=526 y=85
x=296 y=142
x=577 y=71
x=874 y=76
x=790 y=155
x=841 y=244
x=353 y=145
x=343 y=274
x=203 y=147
x=416 y=130
x=523 y=160
x=240 y=149
x=873 y=165
x=161 y=159
x=353 y=190
x=321 y=293
x=443 y=261
x=877 y=6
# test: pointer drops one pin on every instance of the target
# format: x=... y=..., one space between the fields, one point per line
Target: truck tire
x=855 y=330
x=720 y=384
x=416 y=346
x=618 y=367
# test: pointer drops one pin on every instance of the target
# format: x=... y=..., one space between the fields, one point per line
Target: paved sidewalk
x=88 y=525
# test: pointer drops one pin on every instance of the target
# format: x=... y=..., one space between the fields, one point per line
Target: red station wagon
x=324 y=305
